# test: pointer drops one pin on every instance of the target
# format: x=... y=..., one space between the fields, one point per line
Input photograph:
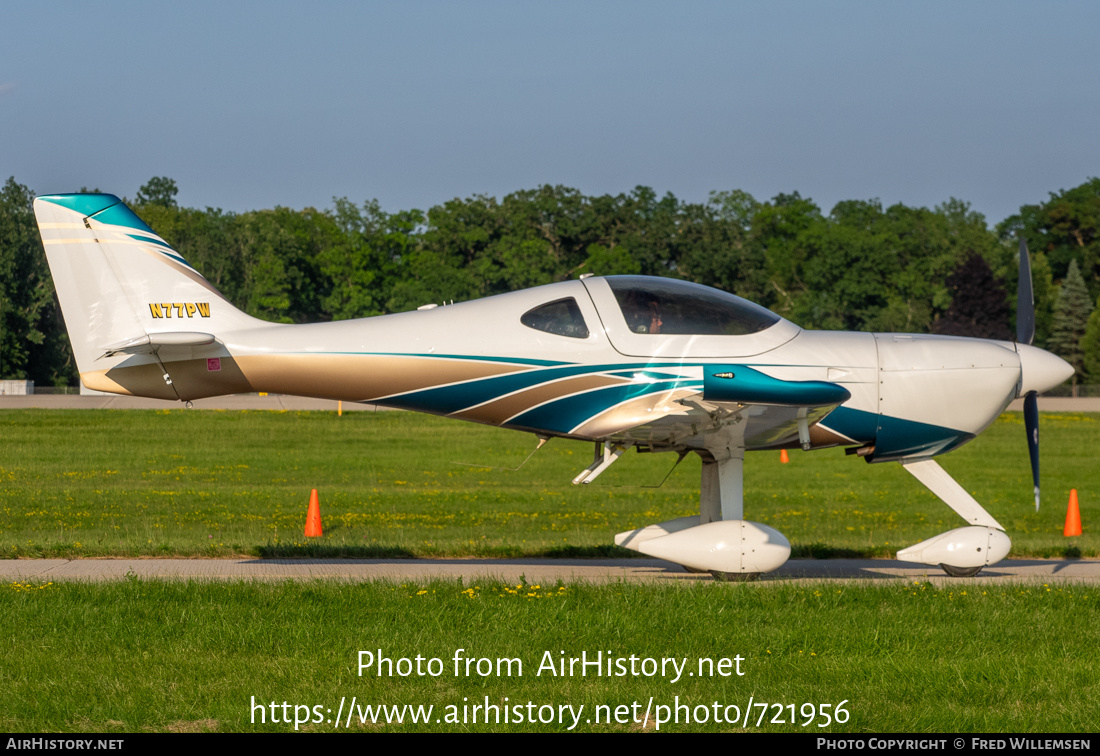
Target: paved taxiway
x=534 y=570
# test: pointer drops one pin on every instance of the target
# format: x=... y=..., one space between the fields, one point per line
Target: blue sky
x=251 y=105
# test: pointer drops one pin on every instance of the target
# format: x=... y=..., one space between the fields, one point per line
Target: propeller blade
x=1025 y=334
x=1031 y=424
x=1025 y=300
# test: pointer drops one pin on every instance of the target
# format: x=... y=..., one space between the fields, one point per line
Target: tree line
x=861 y=266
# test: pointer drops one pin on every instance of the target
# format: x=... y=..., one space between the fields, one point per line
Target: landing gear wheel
x=961 y=571
x=693 y=570
x=735 y=577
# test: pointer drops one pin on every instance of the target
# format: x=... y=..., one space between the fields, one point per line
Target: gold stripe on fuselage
x=497 y=411
x=347 y=377
x=361 y=377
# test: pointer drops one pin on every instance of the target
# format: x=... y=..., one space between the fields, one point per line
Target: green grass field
x=908 y=657
x=202 y=483
x=176 y=656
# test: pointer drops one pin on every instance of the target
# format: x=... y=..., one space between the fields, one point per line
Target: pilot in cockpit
x=642 y=312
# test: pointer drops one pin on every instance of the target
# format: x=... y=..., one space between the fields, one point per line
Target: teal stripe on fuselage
x=893 y=437
x=646 y=373
x=565 y=414
x=472 y=358
x=858 y=425
x=899 y=438
x=449 y=399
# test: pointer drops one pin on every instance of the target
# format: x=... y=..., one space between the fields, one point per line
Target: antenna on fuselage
x=542 y=442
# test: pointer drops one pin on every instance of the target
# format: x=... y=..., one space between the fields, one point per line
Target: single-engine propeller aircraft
x=623 y=361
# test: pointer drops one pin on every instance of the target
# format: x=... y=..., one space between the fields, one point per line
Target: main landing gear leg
x=722 y=497
x=718 y=541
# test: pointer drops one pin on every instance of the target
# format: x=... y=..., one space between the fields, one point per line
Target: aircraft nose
x=1040 y=370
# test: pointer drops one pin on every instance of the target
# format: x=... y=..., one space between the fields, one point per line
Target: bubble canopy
x=666 y=306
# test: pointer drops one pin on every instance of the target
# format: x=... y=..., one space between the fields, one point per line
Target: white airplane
x=656 y=364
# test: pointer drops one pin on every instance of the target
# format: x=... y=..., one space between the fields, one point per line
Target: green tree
x=929 y=245
x=282 y=252
x=364 y=263
x=1066 y=227
x=845 y=277
x=648 y=228
x=979 y=304
x=159 y=190
x=1090 y=347
x=610 y=262
x=563 y=217
x=713 y=246
x=734 y=206
x=859 y=267
x=777 y=230
x=33 y=342
x=453 y=260
x=1071 y=315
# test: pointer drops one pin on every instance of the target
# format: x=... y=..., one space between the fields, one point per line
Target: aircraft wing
x=768 y=412
x=765 y=426
x=662 y=405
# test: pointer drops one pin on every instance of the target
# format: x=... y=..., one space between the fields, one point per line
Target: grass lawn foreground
x=146 y=655
x=207 y=483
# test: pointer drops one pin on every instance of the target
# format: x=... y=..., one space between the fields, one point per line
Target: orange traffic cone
x=783 y=456
x=1073 y=516
x=313 y=517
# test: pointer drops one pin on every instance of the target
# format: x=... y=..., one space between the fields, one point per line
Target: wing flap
x=775 y=413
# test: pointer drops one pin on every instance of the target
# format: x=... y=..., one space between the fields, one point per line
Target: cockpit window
x=562 y=318
x=667 y=306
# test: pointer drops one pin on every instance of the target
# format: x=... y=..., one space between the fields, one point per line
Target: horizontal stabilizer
x=148 y=344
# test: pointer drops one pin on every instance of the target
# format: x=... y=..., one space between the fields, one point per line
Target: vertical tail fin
x=127 y=296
